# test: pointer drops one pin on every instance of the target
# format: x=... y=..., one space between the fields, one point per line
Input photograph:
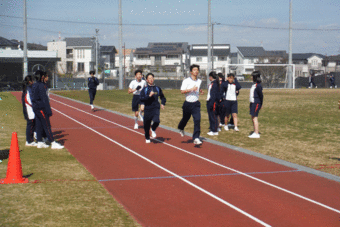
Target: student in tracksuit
x=42 y=111
x=213 y=99
x=28 y=110
x=256 y=102
x=135 y=88
x=93 y=82
x=332 y=80
x=192 y=106
x=231 y=89
x=221 y=106
x=149 y=96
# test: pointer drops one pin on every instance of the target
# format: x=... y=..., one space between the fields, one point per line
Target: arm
x=143 y=95
x=162 y=97
x=24 y=105
x=45 y=100
x=96 y=81
x=260 y=93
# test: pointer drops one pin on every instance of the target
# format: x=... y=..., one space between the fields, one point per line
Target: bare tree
x=272 y=76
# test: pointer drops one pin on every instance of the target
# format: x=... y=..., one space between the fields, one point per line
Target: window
x=143 y=57
x=221 y=58
x=172 y=57
x=81 y=67
x=198 y=59
x=314 y=63
x=69 y=67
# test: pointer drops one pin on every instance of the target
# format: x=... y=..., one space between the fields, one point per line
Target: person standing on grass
x=213 y=100
x=135 y=87
x=311 y=81
x=93 y=82
x=149 y=95
x=256 y=102
x=221 y=106
x=332 y=80
x=192 y=106
x=43 y=112
x=28 y=110
x=231 y=89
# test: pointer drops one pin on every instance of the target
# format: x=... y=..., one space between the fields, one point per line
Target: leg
x=196 y=114
x=91 y=96
x=235 y=119
x=47 y=126
x=256 y=124
x=147 y=124
x=29 y=131
x=186 y=116
x=155 y=120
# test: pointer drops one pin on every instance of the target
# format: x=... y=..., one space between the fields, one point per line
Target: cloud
x=269 y=20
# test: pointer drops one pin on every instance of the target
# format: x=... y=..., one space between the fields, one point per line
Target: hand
x=201 y=92
x=162 y=106
x=193 y=89
x=151 y=93
x=138 y=87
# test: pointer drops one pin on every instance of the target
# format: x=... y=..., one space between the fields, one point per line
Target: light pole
x=212 y=46
x=209 y=43
x=25 y=65
x=290 y=61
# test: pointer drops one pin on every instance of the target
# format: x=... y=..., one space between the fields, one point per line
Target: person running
x=231 y=89
x=256 y=102
x=93 y=82
x=135 y=87
x=149 y=95
x=42 y=111
x=213 y=99
x=311 y=81
x=192 y=106
x=28 y=110
x=332 y=80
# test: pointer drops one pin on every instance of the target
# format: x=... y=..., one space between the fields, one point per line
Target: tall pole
x=212 y=46
x=97 y=30
x=25 y=65
x=209 y=42
x=290 y=61
x=120 y=46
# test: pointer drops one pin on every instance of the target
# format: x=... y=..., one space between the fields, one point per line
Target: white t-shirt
x=251 y=95
x=189 y=83
x=134 y=84
x=231 y=93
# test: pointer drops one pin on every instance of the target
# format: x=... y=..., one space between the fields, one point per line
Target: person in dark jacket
x=93 y=82
x=231 y=89
x=332 y=80
x=29 y=115
x=43 y=111
x=149 y=95
x=256 y=102
x=213 y=99
x=221 y=106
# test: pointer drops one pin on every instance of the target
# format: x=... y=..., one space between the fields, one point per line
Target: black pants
x=43 y=125
x=223 y=112
x=92 y=93
x=193 y=109
x=30 y=130
x=150 y=115
x=212 y=113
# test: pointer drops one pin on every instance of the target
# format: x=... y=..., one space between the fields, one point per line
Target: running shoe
x=55 y=145
x=181 y=132
x=197 y=141
x=153 y=134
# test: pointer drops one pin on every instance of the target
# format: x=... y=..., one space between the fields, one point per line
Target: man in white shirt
x=192 y=106
x=135 y=87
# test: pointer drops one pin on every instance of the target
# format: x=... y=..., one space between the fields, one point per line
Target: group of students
x=37 y=111
x=221 y=102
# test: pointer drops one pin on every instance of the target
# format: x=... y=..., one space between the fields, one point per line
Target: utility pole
x=290 y=61
x=212 y=48
x=209 y=42
x=97 y=30
x=120 y=45
x=25 y=65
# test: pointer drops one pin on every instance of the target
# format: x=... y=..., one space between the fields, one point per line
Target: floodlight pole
x=97 y=30
x=290 y=61
x=120 y=46
x=209 y=42
x=25 y=65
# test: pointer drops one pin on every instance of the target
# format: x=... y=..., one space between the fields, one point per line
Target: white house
x=307 y=62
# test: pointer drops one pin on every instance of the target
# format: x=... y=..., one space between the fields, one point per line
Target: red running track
x=170 y=182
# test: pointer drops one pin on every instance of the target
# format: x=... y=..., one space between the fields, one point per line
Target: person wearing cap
x=93 y=82
x=149 y=95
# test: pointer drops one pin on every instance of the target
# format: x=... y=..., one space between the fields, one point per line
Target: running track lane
x=158 y=198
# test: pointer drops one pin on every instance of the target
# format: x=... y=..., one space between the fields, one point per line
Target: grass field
x=68 y=194
x=299 y=126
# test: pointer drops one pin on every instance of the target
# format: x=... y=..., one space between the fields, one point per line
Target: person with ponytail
x=43 y=111
x=213 y=99
x=256 y=102
x=29 y=115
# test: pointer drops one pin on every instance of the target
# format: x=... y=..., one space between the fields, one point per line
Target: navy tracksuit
x=224 y=90
x=93 y=82
x=42 y=111
x=212 y=105
x=152 y=107
x=30 y=122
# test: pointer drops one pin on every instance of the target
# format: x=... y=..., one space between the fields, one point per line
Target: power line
x=186 y=24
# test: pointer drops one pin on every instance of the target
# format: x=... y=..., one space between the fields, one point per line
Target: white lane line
x=215 y=163
x=172 y=173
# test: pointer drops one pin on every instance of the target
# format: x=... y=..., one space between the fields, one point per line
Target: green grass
x=299 y=126
x=67 y=195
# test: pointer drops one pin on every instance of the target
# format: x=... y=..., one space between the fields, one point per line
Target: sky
x=265 y=23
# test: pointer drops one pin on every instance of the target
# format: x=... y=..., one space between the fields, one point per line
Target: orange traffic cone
x=14 y=170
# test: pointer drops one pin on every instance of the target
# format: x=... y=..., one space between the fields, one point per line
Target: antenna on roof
x=59 y=36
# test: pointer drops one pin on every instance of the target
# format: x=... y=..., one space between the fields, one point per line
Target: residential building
x=331 y=63
x=77 y=55
x=128 y=56
x=307 y=62
x=107 y=57
x=220 y=54
x=163 y=58
x=6 y=44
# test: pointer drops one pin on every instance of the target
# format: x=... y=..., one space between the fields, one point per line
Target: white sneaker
x=32 y=144
x=55 y=145
x=221 y=125
x=226 y=128
x=136 y=126
x=181 y=132
x=236 y=129
x=153 y=134
x=197 y=141
x=147 y=141
x=42 y=145
x=316 y=86
x=140 y=116
x=212 y=133
x=35 y=135
x=254 y=136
